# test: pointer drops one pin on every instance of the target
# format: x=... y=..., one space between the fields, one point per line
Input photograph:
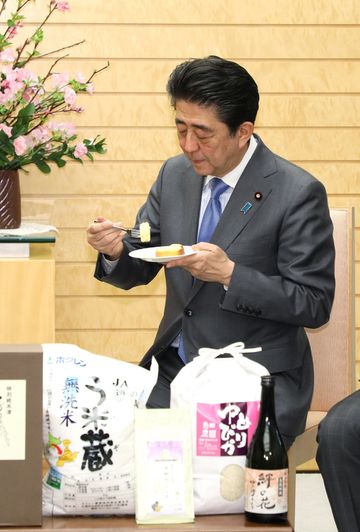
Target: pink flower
x=6 y=129
x=40 y=134
x=62 y=6
x=7 y=56
x=80 y=77
x=22 y=74
x=28 y=94
x=67 y=129
x=70 y=96
x=77 y=108
x=20 y=145
x=80 y=150
x=60 y=81
x=90 y=88
x=5 y=97
x=13 y=31
x=9 y=87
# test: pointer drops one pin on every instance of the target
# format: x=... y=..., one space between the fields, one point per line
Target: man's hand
x=102 y=236
x=210 y=264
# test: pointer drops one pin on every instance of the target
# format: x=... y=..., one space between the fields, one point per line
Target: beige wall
x=304 y=55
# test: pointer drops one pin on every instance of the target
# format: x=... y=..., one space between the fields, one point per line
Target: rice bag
x=89 y=404
x=223 y=390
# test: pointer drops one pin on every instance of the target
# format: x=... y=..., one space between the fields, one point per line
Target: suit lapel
x=250 y=193
x=242 y=207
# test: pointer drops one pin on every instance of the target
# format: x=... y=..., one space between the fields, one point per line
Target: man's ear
x=244 y=132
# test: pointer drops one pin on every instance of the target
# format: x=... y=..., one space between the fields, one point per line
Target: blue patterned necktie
x=213 y=210
x=209 y=221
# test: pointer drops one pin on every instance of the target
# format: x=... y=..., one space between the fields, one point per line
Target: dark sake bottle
x=266 y=472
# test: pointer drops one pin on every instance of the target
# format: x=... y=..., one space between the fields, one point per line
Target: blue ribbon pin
x=246 y=207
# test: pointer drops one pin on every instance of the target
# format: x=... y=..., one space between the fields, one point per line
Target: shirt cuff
x=107 y=264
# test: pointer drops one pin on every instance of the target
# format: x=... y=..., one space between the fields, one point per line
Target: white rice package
x=89 y=404
x=224 y=396
x=163 y=458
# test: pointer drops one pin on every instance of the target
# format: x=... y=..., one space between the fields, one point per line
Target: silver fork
x=134 y=233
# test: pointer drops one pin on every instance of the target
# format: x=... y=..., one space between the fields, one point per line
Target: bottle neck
x=267 y=409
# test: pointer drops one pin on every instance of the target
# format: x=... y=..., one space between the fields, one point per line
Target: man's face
x=206 y=141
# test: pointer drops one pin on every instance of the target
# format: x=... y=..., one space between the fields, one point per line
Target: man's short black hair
x=219 y=83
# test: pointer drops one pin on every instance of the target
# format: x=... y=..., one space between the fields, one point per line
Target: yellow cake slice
x=170 y=251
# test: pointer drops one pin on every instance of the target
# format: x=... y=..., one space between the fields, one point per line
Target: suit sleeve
x=302 y=290
x=130 y=272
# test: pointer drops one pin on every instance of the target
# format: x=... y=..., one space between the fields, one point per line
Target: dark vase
x=10 y=199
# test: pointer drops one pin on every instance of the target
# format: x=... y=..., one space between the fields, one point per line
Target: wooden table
x=208 y=523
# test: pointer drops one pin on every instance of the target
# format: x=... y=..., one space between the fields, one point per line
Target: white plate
x=149 y=254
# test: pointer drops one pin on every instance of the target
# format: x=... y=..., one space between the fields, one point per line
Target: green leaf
x=4 y=43
x=100 y=148
x=77 y=85
x=38 y=36
x=6 y=146
x=27 y=111
x=24 y=118
x=42 y=165
x=97 y=147
x=60 y=162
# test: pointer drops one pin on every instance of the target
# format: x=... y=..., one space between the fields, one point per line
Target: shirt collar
x=234 y=175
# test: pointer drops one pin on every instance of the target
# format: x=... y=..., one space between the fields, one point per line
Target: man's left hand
x=210 y=264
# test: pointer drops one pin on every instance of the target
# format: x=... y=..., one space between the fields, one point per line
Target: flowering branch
x=28 y=103
x=40 y=56
x=97 y=71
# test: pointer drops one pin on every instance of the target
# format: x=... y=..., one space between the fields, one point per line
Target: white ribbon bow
x=236 y=349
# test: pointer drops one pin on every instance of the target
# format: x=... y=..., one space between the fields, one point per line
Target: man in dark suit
x=338 y=457
x=268 y=269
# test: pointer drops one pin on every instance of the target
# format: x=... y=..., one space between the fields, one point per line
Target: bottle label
x=266 y=491
x=225 y=429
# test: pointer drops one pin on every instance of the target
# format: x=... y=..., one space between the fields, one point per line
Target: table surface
x=208 y=523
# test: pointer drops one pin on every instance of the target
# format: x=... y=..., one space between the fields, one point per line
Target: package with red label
x=223 y=390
